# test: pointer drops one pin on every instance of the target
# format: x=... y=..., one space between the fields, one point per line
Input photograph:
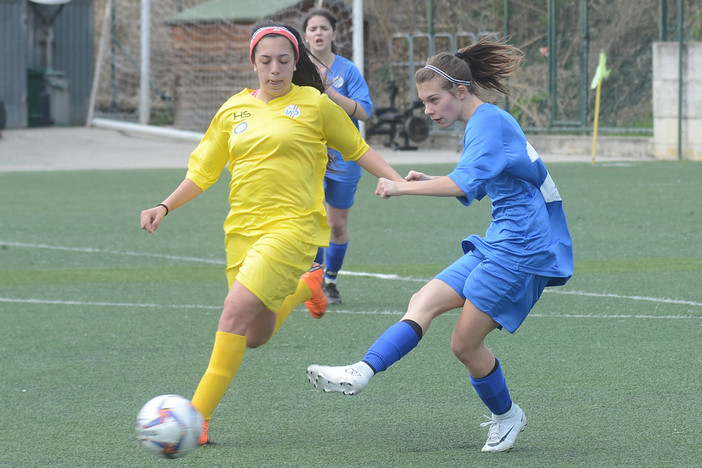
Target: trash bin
x=59 y=105
x=47 y=97
x=38 y=106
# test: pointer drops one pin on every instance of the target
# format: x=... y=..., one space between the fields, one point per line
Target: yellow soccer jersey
x=277 y=155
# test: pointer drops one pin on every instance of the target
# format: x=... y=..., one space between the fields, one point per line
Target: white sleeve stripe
x=549 y=190
x=548 y=187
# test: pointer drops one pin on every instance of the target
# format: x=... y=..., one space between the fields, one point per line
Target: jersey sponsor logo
x=292 y=111
x=241 y=115
x=240 y=128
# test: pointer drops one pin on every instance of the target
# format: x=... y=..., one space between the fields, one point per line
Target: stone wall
x=665 y=100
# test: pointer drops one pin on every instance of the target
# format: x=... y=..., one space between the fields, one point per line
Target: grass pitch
x=98 y=317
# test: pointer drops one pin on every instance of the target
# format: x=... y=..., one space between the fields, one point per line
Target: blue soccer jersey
x=347 y=80
x=528 y=231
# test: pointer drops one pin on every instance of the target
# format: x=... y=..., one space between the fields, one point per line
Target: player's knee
x=463 y=350
x=422 y=303
x=338 y=229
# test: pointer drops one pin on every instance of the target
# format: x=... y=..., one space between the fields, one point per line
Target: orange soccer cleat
x=317 y=304
x=204 y=433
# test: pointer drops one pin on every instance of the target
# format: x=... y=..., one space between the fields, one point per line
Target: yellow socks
x=227 y=353
x=301 y=294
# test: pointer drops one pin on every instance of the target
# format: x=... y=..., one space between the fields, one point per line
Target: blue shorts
x=505 y=295
x=338 y=194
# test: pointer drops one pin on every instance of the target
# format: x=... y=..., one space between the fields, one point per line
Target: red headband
x=263 y=32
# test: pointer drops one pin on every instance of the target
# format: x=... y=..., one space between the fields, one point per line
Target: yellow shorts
x=269 y=265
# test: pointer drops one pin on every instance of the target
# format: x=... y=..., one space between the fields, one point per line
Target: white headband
x=446 y=75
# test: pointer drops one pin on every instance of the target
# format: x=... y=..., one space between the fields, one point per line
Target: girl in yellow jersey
x=274 y=142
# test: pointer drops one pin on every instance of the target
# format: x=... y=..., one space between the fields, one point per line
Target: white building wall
x=665 y=100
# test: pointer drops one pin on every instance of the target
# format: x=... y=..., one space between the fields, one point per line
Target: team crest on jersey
x=240 y=128
x=292 y=111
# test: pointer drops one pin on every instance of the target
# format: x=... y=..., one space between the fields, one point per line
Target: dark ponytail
x=487 y=64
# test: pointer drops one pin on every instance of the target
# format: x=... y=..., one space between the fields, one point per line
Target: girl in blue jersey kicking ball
x=503 y=273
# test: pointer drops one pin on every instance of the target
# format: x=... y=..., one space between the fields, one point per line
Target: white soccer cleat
x=504 y=429
x=349 y=380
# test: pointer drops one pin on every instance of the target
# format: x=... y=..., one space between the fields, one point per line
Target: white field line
x=334 y=311
x=105 y=304
x=344 y=273
x=113 y=252
x=658 y=300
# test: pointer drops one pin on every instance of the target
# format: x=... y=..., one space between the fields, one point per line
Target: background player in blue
x=503 y=273
x=348 y=89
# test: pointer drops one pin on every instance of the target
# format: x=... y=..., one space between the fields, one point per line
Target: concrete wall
x=552 y=147
x=665 y=100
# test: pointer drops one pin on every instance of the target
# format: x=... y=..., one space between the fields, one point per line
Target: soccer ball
x=169 y=426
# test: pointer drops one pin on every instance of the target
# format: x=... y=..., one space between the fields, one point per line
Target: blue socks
x=404 y=336
x=398 y=340
x=320 y=256
x=335 y=254
x=492 y=389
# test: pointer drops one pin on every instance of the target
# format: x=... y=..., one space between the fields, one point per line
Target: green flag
x=602 y=71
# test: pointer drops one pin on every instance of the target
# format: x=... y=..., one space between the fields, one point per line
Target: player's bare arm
x=438 y=187
x=374 y=163
x=151 y=218
x=416 y=175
